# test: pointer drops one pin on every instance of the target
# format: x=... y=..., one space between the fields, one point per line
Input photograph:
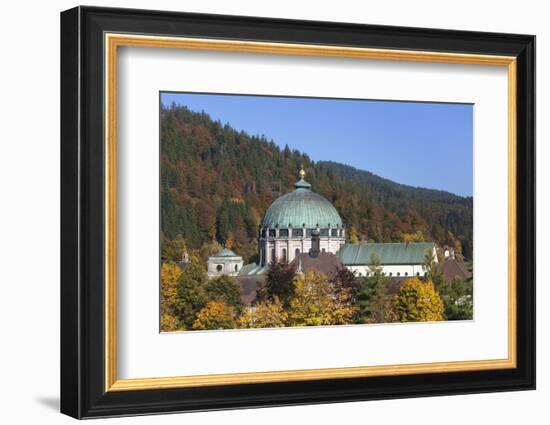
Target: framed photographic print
x=261 y=212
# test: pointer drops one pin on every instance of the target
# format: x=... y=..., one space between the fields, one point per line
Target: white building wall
x=397 y=270
x=229 y=266
x=394 y=270
x=331 y=245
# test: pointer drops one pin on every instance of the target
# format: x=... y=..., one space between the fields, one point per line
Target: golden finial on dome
x=302 y=172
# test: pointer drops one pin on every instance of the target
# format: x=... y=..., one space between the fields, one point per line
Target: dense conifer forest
x=216 y=184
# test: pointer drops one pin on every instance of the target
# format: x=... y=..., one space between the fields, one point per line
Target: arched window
x=297 y=252
x=406 y=273
x=273 y=255
x=283 y=259
x=418 y=273
x=219 y=268
x=391 y=274
x=323 y=250
x=236 y=268
x=398 y=274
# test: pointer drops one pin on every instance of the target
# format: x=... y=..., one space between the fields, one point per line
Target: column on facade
x=268 y=247
x=263 y=247
x=318 y=230
x=289 y=255
x=288 y=249
x=276 y=245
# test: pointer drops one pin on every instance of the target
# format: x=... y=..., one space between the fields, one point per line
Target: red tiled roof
x=325 y=262
x=452 y=268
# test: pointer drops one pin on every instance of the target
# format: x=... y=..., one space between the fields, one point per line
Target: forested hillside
x=216 y=184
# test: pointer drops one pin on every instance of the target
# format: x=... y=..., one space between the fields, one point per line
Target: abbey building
x=304 y=222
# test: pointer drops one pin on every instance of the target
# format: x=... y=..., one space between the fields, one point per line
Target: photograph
x=279 y=211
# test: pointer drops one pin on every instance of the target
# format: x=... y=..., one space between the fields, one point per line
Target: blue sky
x=419 y=144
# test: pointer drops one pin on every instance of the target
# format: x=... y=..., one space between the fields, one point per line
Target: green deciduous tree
x=458 y=299
x=227 y=289
x=373 y=299
x=191 y=294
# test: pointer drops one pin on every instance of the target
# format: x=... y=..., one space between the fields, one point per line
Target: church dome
x=302 y=206
x=225 y=253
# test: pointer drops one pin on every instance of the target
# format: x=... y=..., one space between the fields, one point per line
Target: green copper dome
x=225 y=253
x=301 y=207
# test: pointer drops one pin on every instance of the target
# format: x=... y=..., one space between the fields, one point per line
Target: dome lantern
x=302 y=184
x=301 y=206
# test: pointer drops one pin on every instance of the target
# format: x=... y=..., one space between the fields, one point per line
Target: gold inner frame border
x=113 y=40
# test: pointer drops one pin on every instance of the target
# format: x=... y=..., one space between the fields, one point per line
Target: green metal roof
x=251 y=270
x=226 y=253
x=301 y=207
x=302 y=184
x=388 y=253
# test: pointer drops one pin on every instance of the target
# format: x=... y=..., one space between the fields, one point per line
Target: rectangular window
x=334 y=232
x=324 y=232
x=297 y=233
x=283 y=233
x=271 y=233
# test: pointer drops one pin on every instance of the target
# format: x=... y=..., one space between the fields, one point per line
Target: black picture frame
x=82 y=218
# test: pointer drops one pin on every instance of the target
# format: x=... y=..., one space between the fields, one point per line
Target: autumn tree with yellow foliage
x=265 y=314
x=417 y=236
x=353 y=236
x=215 y=315
x=172 y=249
x=170 y=323
x=169 y=275
x=418 y=301
x=316 y=302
